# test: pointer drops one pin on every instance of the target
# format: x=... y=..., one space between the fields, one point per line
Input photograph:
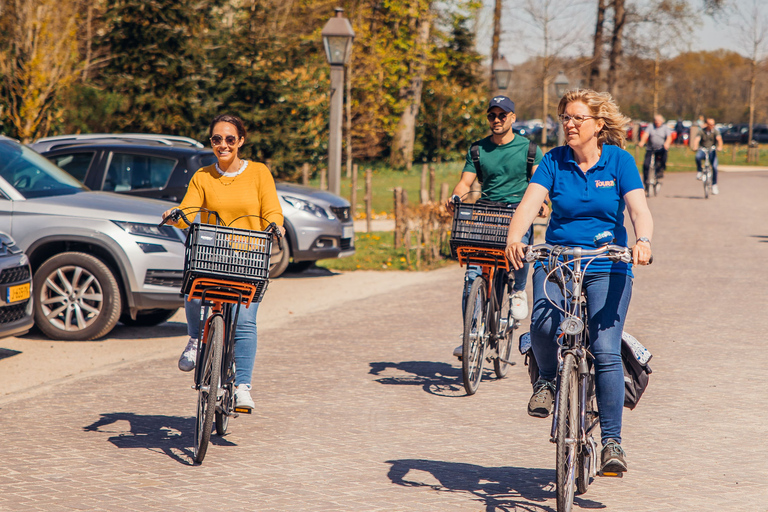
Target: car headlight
x=150 y=230
x=301 y=204
x=7 y=245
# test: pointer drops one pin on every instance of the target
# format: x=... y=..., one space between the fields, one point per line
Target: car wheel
x=279 y=260
x=148 y=318
x=76 y=297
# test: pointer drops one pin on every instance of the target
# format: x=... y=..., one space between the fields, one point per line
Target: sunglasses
x=501 y=117
x=216 y=140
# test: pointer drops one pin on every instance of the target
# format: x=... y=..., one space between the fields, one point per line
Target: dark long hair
x=228 y=118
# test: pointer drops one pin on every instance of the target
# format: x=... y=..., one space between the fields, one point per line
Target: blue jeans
x=608 y=297
x=474 y=271
x=712 y=159
x=245 y=336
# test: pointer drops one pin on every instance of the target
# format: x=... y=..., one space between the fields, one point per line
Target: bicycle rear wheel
x=587 y=458
x=504 y=327
x=210 y=377
x=650 y=184
x=707 y=180
x=475 y=336
x=567 y=434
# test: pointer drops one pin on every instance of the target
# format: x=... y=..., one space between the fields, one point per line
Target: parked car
x=736 y=134
x=533 y=132
x=318 y=223
x=15 y=289
x=96 y=257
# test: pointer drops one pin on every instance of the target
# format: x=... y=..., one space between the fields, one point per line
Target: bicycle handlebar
x=176 y=215
x=615 y=253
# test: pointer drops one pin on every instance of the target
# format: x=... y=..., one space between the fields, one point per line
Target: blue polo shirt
x=585 y=204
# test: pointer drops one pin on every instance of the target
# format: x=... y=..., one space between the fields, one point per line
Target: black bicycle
x=576 y=415
x=478 y=237
x=652 y=184
x=707 y=172
x=225 y=268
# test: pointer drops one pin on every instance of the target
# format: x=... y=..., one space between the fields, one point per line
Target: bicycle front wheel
x=707 y=181
x=505 y=338
x=567 y=434
x=475 y=336
x=210 y=377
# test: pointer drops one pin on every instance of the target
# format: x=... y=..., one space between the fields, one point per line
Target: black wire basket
x=480 y=225
x=232 y=254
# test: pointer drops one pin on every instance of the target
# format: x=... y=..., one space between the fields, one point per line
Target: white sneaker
x=243 y=396
x=458 y=351
x=699 y=175
x=189 y=356
x=519 y=306
x=715 y=190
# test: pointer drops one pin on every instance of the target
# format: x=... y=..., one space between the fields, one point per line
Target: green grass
x=682 y=159
x=376 y=251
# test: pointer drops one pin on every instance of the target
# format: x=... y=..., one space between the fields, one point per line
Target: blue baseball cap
x=504 y=103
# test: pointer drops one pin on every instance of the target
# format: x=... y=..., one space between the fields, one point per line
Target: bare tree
x=40 y=57
x=553 y=21
x=750 y=18
x=617 y=41
x=597 y=52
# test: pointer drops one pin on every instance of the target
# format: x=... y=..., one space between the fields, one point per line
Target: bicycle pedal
x=243 y=410
x=610 y=474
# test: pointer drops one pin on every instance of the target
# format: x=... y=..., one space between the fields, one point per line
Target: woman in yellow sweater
x=234 y=188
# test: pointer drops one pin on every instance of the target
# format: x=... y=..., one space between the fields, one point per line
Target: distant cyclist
x=500 y=164
x=708 y=138
x=658 y=137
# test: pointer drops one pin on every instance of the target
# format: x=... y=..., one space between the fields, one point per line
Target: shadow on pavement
x=124 y=332
x=170 y=435
x=441 y=379
x=499 y=488
x=7 y=352
x=300 y=272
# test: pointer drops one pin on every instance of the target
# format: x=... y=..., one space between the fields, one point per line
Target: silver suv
x=318 y=223
x=96 y=257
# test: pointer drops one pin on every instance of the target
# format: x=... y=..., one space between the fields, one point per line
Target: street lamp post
x=502 y=73
x=337 y=41
x=561 y=87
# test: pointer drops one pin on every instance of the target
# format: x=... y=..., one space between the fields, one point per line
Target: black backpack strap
x=474 y=153
x=531 y=157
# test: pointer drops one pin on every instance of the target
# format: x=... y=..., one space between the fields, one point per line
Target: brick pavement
x=361 y=407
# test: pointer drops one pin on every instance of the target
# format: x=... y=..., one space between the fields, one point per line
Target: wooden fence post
x=353 y=193
x=323 y=179
x=368 y=200
x=432 y=183
x=398 y=197
x=305 y=174
x=423 y=196
x=444 y=191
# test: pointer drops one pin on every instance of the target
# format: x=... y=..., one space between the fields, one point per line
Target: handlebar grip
x=277 y=234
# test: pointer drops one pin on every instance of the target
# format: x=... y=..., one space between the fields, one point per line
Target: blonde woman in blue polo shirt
x=589 y=181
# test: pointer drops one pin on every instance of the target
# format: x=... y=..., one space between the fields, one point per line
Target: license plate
x=348 y=232
x=17 y=293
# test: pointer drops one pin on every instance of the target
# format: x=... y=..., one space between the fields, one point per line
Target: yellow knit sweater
x=252 y=192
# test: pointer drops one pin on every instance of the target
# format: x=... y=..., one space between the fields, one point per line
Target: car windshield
x=32 y=175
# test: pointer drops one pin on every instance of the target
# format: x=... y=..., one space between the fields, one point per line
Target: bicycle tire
x=707 y=180
x=566 y=435
x=584 y=459
x=650 y=184
x=475 y=336
x=504 y=328
x=210 y=375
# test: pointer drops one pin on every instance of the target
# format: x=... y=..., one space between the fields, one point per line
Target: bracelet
x=644 y=239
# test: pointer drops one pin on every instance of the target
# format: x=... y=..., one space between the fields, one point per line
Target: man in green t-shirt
x=503 y=177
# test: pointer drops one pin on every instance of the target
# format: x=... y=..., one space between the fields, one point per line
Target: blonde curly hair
x=602 y=106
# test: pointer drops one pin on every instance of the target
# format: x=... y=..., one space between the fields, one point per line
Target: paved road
x=361 y=408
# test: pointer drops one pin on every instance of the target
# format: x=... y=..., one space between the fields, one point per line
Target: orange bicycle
x=227 y=268
x=478 y=237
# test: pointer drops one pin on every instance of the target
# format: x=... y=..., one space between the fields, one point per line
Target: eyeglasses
x=578 y=119
x=501 y=117
x=216 y=140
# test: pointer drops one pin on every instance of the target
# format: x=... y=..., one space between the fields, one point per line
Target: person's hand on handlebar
x=451 y=201
x=516 y=254
x=171 y=222
x=641 y=253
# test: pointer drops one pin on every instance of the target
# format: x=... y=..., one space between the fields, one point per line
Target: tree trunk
x=656 y=83
x=752 y=83
x=614 y=59
x=597 y=52
x=495 y=41
x=402 y=143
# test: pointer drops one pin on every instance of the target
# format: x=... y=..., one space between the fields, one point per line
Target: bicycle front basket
x=232 y=254
x=480 y=225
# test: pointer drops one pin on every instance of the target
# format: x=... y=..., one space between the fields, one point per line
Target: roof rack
x=168 y=140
